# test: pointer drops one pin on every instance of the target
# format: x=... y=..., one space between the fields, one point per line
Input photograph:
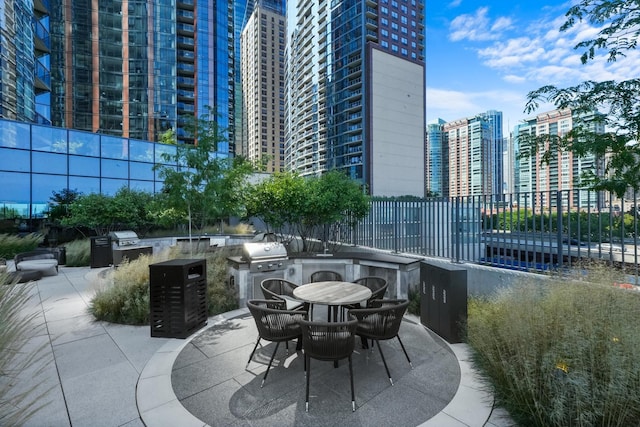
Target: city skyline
x=483 y=55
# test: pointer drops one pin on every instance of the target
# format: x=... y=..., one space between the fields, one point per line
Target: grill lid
x=256 y=251
x=124 y=238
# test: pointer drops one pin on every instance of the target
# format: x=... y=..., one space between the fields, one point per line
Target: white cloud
x=475 y=27
x=512 y=78
x=455 y=3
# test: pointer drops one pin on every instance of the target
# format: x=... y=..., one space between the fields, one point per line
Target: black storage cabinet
x=101 y=251
x=443 y=300
x=177 y=297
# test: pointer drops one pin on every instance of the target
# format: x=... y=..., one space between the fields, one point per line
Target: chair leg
x=384 y=361
x=270 y=362
x=353 y=395
x=253 y=352
x=405 y=351
x=307 y=363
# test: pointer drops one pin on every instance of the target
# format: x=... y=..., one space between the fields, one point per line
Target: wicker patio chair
x=328 y=341
x=326 y=276
x=281 y=289
x=377 y=285
x=381 y=322
x=275 y=324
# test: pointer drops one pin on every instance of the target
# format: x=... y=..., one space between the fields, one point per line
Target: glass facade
x=36 y=161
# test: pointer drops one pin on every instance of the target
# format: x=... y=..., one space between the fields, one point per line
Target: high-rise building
x=262 y=62
x=138 y=68
x=475 y=168
x=437 y=159
x=25 y=47
x=563 y=170
x=355 y=93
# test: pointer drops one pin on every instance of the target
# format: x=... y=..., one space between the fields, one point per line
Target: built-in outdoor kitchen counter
x=400 y=271
x=248 y=270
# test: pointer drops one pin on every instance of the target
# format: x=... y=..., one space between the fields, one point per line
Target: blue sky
x=487 y=55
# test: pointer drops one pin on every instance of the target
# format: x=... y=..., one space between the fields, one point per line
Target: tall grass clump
x=124 y=298
x=561 y=354
x=78 y=253
x=11 y=244
x=16 y=329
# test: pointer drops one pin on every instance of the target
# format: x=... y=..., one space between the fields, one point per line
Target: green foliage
x=10 y=244
x=16 y=329
x=127 y=209
x=307 y=205
x=618 y=100
x=78 y=253
x=561 y=354
x=414 y=301
x=207 y=185
x=59 y=204
x=124 y=297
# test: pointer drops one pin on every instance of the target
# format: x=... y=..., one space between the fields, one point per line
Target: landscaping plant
x=124 y=297
x=561 y=354
x=17 y=404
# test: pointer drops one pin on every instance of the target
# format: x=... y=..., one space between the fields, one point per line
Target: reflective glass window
x=49 y=163
x=80 y=165
x=44 y=186
x=84 y=185
x=47 y=138
x=141 y=186
x=109 y=187
x=115 y=168
x=114 y=148
x=14 y=160
x=159 y=178
x=84 y=143
x=141 y=170
x=15 y=188
x=141 y=150
x=14 y=135
x=163 y=150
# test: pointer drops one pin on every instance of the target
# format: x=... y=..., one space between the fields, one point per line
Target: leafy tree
x=59 y=203
x=126 y=209
x=618 y=100
x=307 y=206
x=206 y=185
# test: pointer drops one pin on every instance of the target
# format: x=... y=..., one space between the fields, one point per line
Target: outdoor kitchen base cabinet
x=177 y=297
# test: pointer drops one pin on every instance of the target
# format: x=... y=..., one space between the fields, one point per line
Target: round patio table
x=332 y=294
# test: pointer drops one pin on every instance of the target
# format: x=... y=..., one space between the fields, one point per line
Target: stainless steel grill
x=124 y=238
x=259 y=261
x=263 y=251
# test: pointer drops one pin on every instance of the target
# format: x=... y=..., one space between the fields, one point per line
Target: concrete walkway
x=102 y=374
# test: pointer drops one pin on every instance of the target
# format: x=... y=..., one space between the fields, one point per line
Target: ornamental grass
x=561 y=354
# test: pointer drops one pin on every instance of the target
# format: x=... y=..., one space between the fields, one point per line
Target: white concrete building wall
x=397 y=126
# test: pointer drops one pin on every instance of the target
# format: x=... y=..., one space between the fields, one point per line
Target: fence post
x=559 y=228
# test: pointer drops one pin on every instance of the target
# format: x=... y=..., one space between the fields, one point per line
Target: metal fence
x=532 y=231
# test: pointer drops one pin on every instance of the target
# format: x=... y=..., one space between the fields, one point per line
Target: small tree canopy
x=617 y=100
x=207 y=184
x=306 y=205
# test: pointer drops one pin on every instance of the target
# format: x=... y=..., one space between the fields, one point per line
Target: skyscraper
x=25 y=46
x=475 y=168
x=138 y=68
x=563 y=170
x=355 y=93
x=262 y=62
x=437 y=159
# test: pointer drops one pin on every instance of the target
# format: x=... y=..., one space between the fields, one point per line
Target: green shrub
x=78 y=253
x=16 y=329
x=125 y=296
x=414 y=301
x=562 y=354
x=11 y=244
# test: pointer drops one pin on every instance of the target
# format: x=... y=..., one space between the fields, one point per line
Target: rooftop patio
x=103 y=374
